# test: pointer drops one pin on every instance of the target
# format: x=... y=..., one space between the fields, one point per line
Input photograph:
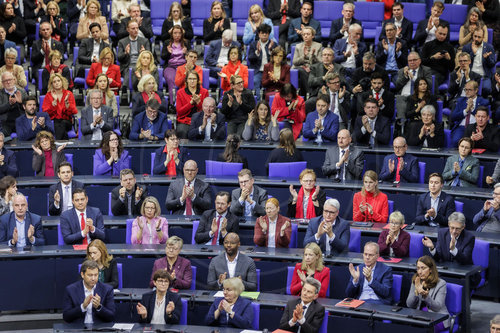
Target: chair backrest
x=69 y=159
x=294 y=77
x=257 y=272
x=110 y=211
x=205 y=83
x=371 y=14
x=455 y=15
x=325 y=12
x=75 y=54
x=193 y=275
x=241 y=9
x=215 y=168
x=293 y=237
x=447 y=138
x=256 y=315
x=355 y=241
x=481 y=253
x=459 y=206
x=200 y=11
x=184 y=313
x=289 y=276
x=286 y=170
x=196 y=223
x=159 y=12
x=415 y=12
x=439 y=111
x=391 y=208
x=60 y=239
x=454 y=298
x=128 y=231
x=324 y=324
x=416 y=246
x=119 y=268
x=480 y=177
x=421 y=168
x=250 y=78
x=397 y=281
x=153 y=156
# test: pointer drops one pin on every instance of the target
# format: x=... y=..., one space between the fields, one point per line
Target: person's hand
x=12 y=100
x=426 y=241
x=12 y=28
x=15 y=236
x=139 y=20
x=222 y=75
x=401 y=163
x=173 y=274
x=478 y=135
x=420 y=105
x=480 y=6
x=222 y=277
x=453 y=243
x=342 y=91
x=431 y=130
x=456 y=167
x=315 y=194
x=385 y=45
x=302 y=276
x=127 y=49
x=169 y=308
x=362 y=207
x=391 y=165
x=369 y=208
x=459 y=75
x=380 y=102
x=90 y=224
x=447 y=56
x=321 y=229
x=141 y=310
x=423 y=131
x=41 y=121
x=398 y=46
x=355 y=48
x=293 y=192
x=52 y=23
x=274 y=117
x=284 y=227
x=367 y=272
x=389 y=239
x=138 y=193
x=263 y=225
x=438 y=55
x=213 y=227
x=189 y=192
x=345 y=27
x=121 y=192
x=87 y=301
x=347 y=54
x=66 y=101
x=354 y=273
x=37 y=150
x=317 y=124
x=244 y=194
x=486 y=55
x=223 y=226
x=96 y=301
x=259 y=48
x=357 y=89
x=300 y=312
x=34 y=123
x=431 y=213
x=31 y=231
x=292 y=106
x=57 y=197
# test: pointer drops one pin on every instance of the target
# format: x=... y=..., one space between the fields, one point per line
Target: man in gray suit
x=97 y=119
x=249 y=199
x=129 y=49
x=409 y=74
x=188 y=195
x=230 y=264
x=345 y=161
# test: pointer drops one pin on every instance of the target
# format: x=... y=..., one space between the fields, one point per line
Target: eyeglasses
x=394 y=223
x=331 y=212
x=149 y=208
x=238 y=83
x=243 y=182
x=162 y=282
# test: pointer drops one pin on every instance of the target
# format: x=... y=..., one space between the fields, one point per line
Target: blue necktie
x=456 y=181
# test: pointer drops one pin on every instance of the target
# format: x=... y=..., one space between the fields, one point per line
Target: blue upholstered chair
x=459 y=206
x=416 y=246
x=355 y=241
x=397 y=281
x=481 y=257
x=256 y=315
x=286 y=170
x=215 y=168
x=454 y=305
x=119 y=267
x=196 y=223
x=421 y=175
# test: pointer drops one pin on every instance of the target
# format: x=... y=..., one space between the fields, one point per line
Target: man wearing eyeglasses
x=329 y=231
x=249 y=199
x=400 y=166
x=11 y=103
x=488 y=218
x=150 y=124
x=97 y=119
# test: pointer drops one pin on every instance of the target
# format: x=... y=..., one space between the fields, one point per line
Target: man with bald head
x=232 y=263
x=400 y=166
x=188 y=195
x=209 y=124
x=21 y=228
x=344 y=161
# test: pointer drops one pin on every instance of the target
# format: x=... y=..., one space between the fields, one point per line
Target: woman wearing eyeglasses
x=394 y=242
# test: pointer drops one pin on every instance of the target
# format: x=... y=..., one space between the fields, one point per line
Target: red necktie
x=377 y=96
x=189 y=204
x=283 y=17
x=216 y=235
x=398 y=177
x=82 y=225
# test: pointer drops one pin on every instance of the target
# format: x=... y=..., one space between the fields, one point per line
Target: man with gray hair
x=495 y=324
x=97 y=119
x=304 y=313
x=349 y=51
x=216 y=56
x=488 y=218
x=11 y=103
x=454 y=244
x=208 y=125
x=329 y=231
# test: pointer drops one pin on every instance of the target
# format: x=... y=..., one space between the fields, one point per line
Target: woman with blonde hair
x=147 y=89
x=10 y=56
x=108 y=96
x=286 y=150
x=309 y=201
x=92 y=15
x=150 y=227
x=394 y=242
x=108 y=270
x=369 y=204
x=107 y=66
x=256 y=17
x=176 y=16
x=178 y=267
x=145 y=65
x=311 y=266
x=214 y=26
x=272 y=229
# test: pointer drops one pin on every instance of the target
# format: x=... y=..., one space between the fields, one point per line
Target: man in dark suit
x=488 y=218
x=256 y=59
x=127 y=198
x=90 y=49
x=216 y=224
x=145 y=25
x=244 y=267
x=454 y=244
x=410 y=73
x=8 y=165
x=31 y=122
x=340 y=98
x=42 y=47
x=216 y=56
x=371 y=281
x=378 y=91
x=88 y=301
x=21 y=228
x=329 y=231
x=482 y=133
x=129 y=48
x=11 y=103
x=426 y=29
x=439 y=54
x=149 y=125
x=82 y=223
x=404 y=27
x=208 y=125
x=435 y=206
x=344 y=161
x=460 y=76
x=340 y=27
x=392 y=52
x=400 y=166
x=304 y=313
x=362 y=74
x=96 y=118
x=305 y=20
x=321 y=125
x=188 y=195
x=249 y=199
x=349 y=51
x=372 y=128
x=282 y=12
x=60 y=194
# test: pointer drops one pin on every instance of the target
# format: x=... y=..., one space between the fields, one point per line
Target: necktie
x=82 y=225
x=372 y=139
x=456 y=181
x=467 y=118
x=342 y=166
x=189 y=204
x=66 y=198
x=398 y=177
x=413 y=72
x=283 y=16
x=216 y=235
x=377 y=96
x=46 y=50
x=332 y=104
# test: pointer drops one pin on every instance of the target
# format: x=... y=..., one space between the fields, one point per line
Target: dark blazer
x=259 y=196
x=208 y=29
x=341 y=45
x=446 y=206
x=53 y=211
x=243 y=314
x=9 y=166
x=318 y=70
x=123 y=57
x=86 y=49
x=197 y=120
x=38 y=162
x=70 y=225
x=342 y=232
x=464 y=245
x=202 y=234
x=412 y=105
x=455 y=89
x=400 y=247
x=139 y=105
x=74 y=295
x=23 y=127
x=491 y=137
x=120 y=208
x=382 y=126
x=401 y=81
x=168 y=24
x=160 y=125
x=291 y=212
x=330 y=127
x=457 y=115
x=60 y=28
x=245 y=267
x=17 y=36
x=386 y=109
x=421 y=34
x=354 y=166
x=337 y=25
x=111 y=274
x=254 y=61
x=88 y=118
x=274 y=13
x=381 y=283
x=294 y=38
x=469 y=172
x=183 y=272
x=408 y=174
x=314 y=317
x=214 y=50
x=401 y=59
x=146 y=28
x=160 y=157
x=406 y=29
x=201 y=203
x=149 y=300
x=37 y=57
x=414 y=131
x=488 y=62
x=8 y=223
x=359 y=74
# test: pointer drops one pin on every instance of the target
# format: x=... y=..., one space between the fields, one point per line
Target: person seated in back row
x=249 y=199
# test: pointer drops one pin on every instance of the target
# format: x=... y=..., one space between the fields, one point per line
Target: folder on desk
x=349 y=303
x=478 y=150
x=387 y=226
x=280 y=331
x=251 y=294
x=391 y=260
x=80 y=247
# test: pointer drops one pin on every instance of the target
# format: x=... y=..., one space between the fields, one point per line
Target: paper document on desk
x=220 y=293
x=251 y=294
x=126 y=327
x=250 y=331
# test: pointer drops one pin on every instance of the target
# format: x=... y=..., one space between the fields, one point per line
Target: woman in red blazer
x=312 y=265
x=107 y=66
x=276 y=73
x=291 y=107
x=394 y=242
x=369 y=204
x=281 y=227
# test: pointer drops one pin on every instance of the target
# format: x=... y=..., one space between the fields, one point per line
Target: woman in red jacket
x=272 y=229
x=311 y=266
x=292 y=108
x=369 y=204
x=234 y=66
x=189 y=101
x=107 y=66
x=60 y=105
